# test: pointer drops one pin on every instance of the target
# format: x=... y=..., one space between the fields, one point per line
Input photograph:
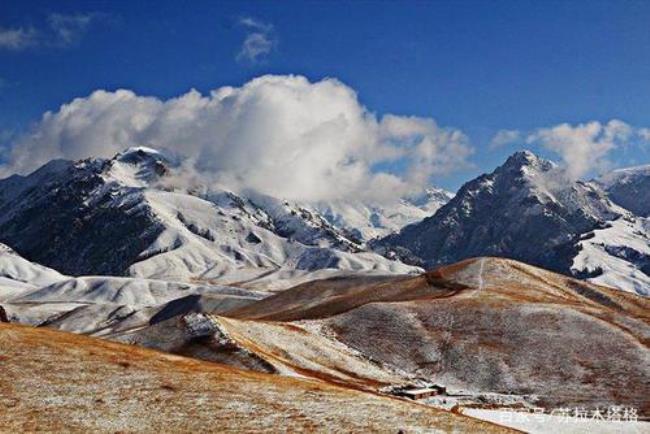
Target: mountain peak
x=523 y=199
x=522 y=158
x=138 y=164
x=137 y=154
x=527 y=160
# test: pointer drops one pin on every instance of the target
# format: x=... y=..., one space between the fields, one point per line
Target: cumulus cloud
x=259 y=40
x=429 y=148
x=585 y=147
x=504 y=137
x=281 y=135
x=62 y=30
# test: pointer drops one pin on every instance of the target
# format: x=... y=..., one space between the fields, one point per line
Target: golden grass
x=54 y=381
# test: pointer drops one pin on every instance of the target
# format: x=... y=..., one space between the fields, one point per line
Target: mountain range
x=535 y=297
x=133 y=215
x=125 y=217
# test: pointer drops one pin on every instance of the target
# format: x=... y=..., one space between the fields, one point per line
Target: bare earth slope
x=484 y=325
x=55 y=381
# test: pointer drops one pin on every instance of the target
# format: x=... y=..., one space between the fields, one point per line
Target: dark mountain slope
x=523 y=210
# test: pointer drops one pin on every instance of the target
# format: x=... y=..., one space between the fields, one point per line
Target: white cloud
x=259 y=41
x=255 y=24
x=584 y=147
x=68 y=29
x=17 y=39
x=255 y=46
x=429 y=148
x=644 y=134
x=281 y=135
x=61 y=31
x=504 y=137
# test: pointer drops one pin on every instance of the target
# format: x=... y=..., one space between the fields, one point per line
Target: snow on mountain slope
x=301 y=224
x=133 y=292
x=33 y=294
x=118 y=217
x=367 y=220
x=617 y=255
x=76 y=219
x=105 y=305
x=203 y=243
x=630 y=188
x=18 y=275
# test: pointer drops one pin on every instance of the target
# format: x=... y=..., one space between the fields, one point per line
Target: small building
x=421 y=393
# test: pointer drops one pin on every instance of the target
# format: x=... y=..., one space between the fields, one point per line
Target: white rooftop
x=419 y=391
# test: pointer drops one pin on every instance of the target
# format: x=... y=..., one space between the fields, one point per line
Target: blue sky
x=478 y=66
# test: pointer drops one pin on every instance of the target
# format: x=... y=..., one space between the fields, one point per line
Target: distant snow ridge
x=629 y=188
x=129 y=216
x=18 y=275
x=372 y=220
x=124 y=216
x=100 y=305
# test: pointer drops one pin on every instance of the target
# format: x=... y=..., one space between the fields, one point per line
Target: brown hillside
x=54 y=381
x=485 y=325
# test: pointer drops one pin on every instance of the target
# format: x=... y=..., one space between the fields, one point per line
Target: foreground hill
x=54 y=381
x=484 y=328
x=482 y=325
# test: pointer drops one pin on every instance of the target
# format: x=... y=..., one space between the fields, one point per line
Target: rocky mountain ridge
x=529 y=211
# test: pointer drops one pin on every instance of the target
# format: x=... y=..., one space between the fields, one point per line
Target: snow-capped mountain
x=125 y=216
x=374 y=220
x=117 y=217
x=527 y=210
x=629 y=188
